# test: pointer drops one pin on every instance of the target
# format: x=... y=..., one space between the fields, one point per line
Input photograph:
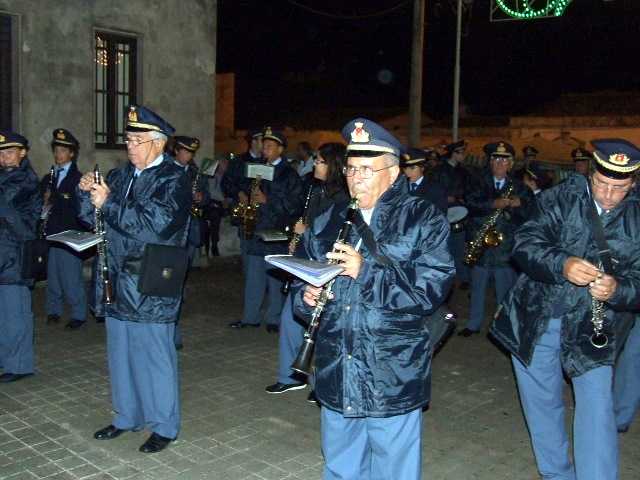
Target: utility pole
x=415 y=93
x=456 y=76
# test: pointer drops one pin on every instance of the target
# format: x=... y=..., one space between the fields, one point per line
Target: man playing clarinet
x=372 y=349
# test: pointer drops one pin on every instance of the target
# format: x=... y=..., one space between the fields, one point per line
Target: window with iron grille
x=6 y=74
x=116 y=71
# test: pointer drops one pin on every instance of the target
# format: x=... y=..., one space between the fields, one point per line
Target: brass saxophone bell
x=493 y=238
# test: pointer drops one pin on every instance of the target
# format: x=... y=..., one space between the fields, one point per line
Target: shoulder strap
x=368 y=240
x=598 y=234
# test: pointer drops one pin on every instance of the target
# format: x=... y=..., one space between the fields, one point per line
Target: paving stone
x=232 y=429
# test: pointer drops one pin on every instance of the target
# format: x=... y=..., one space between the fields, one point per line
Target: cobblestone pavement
x=231 y=428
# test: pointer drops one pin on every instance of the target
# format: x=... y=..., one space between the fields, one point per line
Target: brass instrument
x=487 y=236
x=295 y=238
x=195 y=211
x=302 y=362
x=248 y=213
x=107 y=291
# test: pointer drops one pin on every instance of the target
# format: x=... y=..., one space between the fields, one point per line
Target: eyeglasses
x=605 y=186
x=365 y=172
x=317 y=161
x=500 y=160
x=136 y=141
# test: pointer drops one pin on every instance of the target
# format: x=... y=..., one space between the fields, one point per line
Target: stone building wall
x=177 y=50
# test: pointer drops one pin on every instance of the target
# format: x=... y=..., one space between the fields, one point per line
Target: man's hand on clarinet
x=348 y=257
x=311 y=295
x=99 y=191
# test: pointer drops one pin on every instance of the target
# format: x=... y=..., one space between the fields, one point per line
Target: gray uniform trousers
x=65 y=280
x=16 y=329
x=143 y=367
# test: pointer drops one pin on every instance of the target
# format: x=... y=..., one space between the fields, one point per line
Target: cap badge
x=195 y=144
x=268 y=132
x=2 y=138
x=359 y=134
x=619 y=159
x=501 y=148
x=133 y=115
x=60 y=135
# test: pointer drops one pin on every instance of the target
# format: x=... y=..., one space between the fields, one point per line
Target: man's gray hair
x=390 y=160
x=158 y=135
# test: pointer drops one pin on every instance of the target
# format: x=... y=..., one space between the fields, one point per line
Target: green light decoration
x=525 y=8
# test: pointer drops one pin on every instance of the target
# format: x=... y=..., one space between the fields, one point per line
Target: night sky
x=289 y=60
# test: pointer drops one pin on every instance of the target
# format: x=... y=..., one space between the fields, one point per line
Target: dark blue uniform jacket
x=20 y=208
x=64 y=205
x=158 y=214
x=372 y=350
x=557 y=229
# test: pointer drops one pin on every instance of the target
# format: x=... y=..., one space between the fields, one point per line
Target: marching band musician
x=20 y=209
x=144 y=201
x=566 y=317
x=279 y=202
x=330 y=188
x=372 y=349
x=414 y=165
x=487 y=193
x=184 y=150
x=65 y=277
x=452 y=175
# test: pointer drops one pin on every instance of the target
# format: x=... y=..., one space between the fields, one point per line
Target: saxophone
x=248 y=213
x=487 y=236
x=195 y=211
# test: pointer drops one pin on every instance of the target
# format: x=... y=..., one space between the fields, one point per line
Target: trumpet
x=108 y=297
x=302 y=362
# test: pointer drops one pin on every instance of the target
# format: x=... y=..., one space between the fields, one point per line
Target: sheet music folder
x=311 y=271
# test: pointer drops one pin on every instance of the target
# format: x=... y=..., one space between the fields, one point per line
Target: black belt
x=132 y=267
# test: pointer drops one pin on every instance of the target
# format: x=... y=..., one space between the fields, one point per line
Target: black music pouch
x=35 y=254
x=163 y=270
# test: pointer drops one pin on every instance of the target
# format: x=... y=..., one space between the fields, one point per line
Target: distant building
x=77 y=64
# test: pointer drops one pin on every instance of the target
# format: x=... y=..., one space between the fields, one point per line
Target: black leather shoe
x=623 y=430
x=13 y=377
x=108 y=432
x=74 y=324
x=179 y=346
x=240 y=324
x=155 y=443
x=312 y=397
x=53 y=319
x=273 y=328
x=284 y=387
x=465 y=332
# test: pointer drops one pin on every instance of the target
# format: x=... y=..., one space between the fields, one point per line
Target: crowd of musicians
x=407 y=226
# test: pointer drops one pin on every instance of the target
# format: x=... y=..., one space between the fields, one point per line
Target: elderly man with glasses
x=569 y=311
x=145 y=201
x=372 y=350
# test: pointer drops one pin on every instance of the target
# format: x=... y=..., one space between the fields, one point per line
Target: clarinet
x=295 y=238
x=302 y=362
x=107 y=291
x=46 y=208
